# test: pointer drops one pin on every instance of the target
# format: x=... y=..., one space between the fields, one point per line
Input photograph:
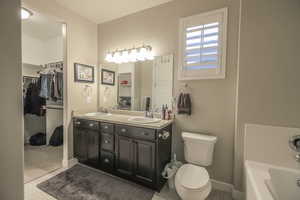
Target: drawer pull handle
x=123 y=130
x=77 y=123
x=106 y=127
x=106 y=160
x=145 y=133
x=106 y=141
x=91 y=125
x=164 y=135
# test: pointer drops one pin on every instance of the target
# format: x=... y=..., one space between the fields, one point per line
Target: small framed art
x=107 y=77
x=84 y=73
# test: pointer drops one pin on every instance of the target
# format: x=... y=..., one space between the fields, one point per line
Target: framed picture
x=107 y=77
x=84 y=73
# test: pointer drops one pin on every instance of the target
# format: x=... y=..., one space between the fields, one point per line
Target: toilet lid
x=193 y=177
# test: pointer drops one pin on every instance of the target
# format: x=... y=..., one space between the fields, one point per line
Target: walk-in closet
x=43 y=77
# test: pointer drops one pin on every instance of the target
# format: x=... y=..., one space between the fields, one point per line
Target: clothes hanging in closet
x=33 y=103
x=52 y=86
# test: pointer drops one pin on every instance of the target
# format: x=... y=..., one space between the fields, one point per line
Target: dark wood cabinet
x=80 y=145
x=135 y=158
x=93 y=146
x=86 y=142
x=107 y=161
x=135 y=153
x=144 y=160
x=124 y=155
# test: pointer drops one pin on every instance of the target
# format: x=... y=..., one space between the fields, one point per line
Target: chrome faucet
x=294 y=143
x=149 y=114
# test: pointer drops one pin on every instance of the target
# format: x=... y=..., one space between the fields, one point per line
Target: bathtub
x=269 y=182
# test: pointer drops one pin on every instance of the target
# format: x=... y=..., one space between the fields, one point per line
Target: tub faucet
x=294 y=143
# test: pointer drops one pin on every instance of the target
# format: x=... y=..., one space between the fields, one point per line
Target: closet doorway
x=43 y=68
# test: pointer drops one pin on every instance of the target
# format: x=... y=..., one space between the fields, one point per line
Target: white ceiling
x=100 y=11
x=40 y=27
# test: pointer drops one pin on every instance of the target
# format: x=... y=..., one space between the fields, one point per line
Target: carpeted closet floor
x=41 y=160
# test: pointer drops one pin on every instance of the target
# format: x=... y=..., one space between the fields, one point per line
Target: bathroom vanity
x=114 y=144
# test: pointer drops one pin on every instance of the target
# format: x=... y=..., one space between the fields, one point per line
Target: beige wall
x=109 y=93
x=81 y=47
x=11 y=140
x=146 y=80
x=213 y=100
x=269 y=82
x=257 y=140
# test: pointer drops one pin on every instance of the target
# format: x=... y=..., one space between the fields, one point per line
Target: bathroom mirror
x=139 y=86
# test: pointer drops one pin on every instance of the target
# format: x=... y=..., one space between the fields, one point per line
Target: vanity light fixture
x=25 y=13
x=130 y=55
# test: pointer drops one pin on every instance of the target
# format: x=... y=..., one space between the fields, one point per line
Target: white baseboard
x=70 y=163
x=226 y=187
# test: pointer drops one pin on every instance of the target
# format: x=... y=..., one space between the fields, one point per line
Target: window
x=202 y=53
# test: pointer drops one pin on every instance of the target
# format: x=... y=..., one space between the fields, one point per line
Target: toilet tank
x=198 y=148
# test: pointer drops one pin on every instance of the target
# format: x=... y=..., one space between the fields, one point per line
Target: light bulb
x=133 y=55
x=125 y=56
x=25 y=14
x=117 y=58
x=150 y=55
x=142 y=54
x=109 y=57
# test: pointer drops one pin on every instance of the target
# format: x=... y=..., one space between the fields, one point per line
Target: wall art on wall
x=107 y=77
x=84 y=73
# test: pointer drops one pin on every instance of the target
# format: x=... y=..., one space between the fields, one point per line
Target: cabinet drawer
x=107 y=141
x=135 y=132
x=107 y=128
x=107 y=160
x=80 y=123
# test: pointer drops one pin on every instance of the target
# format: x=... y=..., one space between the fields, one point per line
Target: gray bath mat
x=82 y=183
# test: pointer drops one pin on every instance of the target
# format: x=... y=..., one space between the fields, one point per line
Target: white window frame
x=218 y=73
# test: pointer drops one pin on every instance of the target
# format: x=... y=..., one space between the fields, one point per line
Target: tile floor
x=41 y=160
x=33 y=193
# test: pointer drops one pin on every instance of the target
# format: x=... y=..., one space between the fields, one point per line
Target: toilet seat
x=192 y=177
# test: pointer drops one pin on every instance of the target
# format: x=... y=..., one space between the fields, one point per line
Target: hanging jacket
x=45 y=85
x=33 y=103
x=59 y=85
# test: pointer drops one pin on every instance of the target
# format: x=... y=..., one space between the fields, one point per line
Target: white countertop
x=124 y=120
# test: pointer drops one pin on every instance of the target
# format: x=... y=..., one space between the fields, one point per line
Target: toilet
x=192 y=180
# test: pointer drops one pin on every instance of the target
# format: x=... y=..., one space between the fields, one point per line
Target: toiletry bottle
x=169 y=114
x=163 y=113
x=166 y=112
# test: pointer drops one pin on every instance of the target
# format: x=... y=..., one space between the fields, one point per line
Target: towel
x=184 y=104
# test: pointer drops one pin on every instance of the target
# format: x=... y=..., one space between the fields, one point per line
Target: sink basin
x=96 y=114
x=284 y=184
x=143 y=120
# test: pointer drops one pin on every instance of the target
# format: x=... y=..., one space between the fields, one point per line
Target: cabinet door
x=93 y=148
x=144 y=160
x=124 y=155
x=80 y=144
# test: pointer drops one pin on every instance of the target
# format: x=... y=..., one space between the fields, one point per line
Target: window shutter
x=203 y=45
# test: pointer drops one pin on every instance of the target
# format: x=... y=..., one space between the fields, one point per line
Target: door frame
x=65 y=161
x=66 y=101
